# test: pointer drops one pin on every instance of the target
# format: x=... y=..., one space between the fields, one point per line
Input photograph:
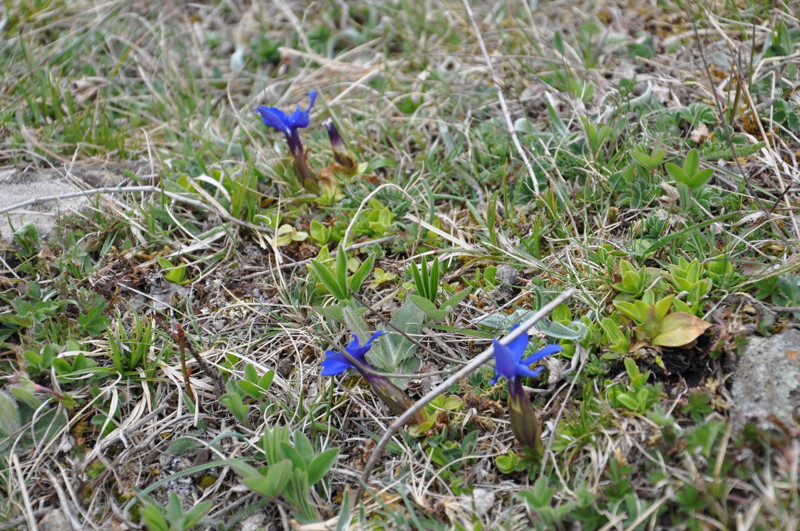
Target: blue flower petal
x=546 y=351
x=275 y=118
x=376 y=335
x=301 y=118
x=504 y=362
x=508 y=360
x=288 y=125
x=357 y=350
x=334 y=363
x=518 y=346
x=525 y=371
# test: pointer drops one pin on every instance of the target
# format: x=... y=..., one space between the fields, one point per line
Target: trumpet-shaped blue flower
x=288 y=124
x=510 y=364
x=336 y=362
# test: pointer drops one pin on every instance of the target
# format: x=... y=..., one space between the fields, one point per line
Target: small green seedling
x=427 y=283
x=648 y=161
x=596 y=136
x=287 y=234
x=172 y=517
x=690 y=174
x=690 y=277
x=657 y=326
x=293 y=468
x=638 y=396
x=335 y=279
x=634 y=282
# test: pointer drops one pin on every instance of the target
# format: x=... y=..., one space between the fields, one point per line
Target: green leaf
x=631 y=282
x=250 y=389
x=26 y=396
x=335 y=313
x=16 y=320
x=634 y=374
x=418 y=283
x=408 y=318
x=183 y=445
x=325 y=276
x=628 y=401
x=433 y=281
x=676 y=172
x=321 y=464
x=319 y=233
x=630 y=310
x=361 y=274
x=651 y=323
x=679 y=329
x=453 y=301
x=618 y=341
x=273 y=483
x=540 y=496
x=9 y=415
x=700 y=178
x=575 y=331
x=625 y=267
x=692 y=163
x=195 y=514
x=341 y=271
x=507 y=464
x=343 y=522
x=93 y=322
x=681 y=306
x=154 y=520
x=663 y=306
x=648 y=162
x=288 y=451
x=303 y=447
x=266 y=379
x=424 y=304
x=62 y=366
x=172 y=273
x=234 y=402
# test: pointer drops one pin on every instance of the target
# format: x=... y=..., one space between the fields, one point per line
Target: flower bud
x=524 y=423
x=341 y=154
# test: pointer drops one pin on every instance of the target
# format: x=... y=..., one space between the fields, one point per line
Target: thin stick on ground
x=465 y=371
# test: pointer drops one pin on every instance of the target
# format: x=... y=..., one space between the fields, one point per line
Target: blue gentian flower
x=336 y=363
x=394 y=397
x=510 y=364
x=288 y=124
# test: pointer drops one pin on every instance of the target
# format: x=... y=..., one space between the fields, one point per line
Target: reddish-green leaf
x=679 y=329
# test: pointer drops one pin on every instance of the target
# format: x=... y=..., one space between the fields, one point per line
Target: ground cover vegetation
x=179 y=355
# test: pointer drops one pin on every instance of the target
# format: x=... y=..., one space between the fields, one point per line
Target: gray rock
x=18 y=185
x=54 y=520
x=767 y=380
